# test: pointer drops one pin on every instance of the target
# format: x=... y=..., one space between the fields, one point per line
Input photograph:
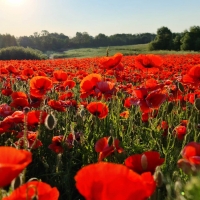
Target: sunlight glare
x=15 y=2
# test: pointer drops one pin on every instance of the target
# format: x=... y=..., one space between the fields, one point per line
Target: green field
x=101 y=51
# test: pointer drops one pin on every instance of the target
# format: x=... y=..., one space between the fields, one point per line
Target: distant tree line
x=189 y=40
x=163 y=40
x=46 y=41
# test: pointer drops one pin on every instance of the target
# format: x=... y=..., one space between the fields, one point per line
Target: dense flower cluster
x=61 y=106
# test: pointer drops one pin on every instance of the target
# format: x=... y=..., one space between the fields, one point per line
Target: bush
x=21 y=53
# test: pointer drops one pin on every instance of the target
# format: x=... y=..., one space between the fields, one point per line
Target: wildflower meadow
x=104 y=128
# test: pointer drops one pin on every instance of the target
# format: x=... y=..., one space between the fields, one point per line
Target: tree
x=186 y=41
x=176 y=43
x=7 y=40
x=101 y=40
x=191 y=39
x=163 y=40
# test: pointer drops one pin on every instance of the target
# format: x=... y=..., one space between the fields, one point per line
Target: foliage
x=20 y=53
x=163 y=40
x=46 y=41
x=71 y=113
x=7 y=40
x=191 y=39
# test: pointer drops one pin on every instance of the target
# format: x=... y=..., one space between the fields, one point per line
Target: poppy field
x=104 y=128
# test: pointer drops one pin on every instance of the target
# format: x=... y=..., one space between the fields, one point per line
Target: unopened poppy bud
x=82 y=113
x=50 y=121
x=158 y=177
x=178 y=187
x=144 y=162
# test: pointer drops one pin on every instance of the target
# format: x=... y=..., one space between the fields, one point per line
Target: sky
x=24 y=17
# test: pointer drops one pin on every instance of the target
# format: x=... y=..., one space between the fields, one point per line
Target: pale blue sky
x=97 y=16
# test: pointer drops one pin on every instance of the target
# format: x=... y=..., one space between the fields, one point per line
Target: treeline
x=189 y=40
x=46 y=41
x=163 y=40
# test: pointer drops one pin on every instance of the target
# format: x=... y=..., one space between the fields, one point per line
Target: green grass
x=101 y=51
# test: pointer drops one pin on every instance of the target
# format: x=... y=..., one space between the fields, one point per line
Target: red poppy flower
x=110 y=62
x=152 y=84
x=6 y=92
x=66 y=95
x=146 y=162
x=140 y=93
x=39 y=85
x=56 y=144
x=19 y=103
x=88 y=84
x=28 y=72
x=193 y=75
x=5 y=126
x=5 y=110
x=102 y=146
x=12 y=163
x=164 y=126
x=41 y=73
x=33 y=142
x=69 y=84
x=180 y=132
x=124 y=114
x=190 y=162
x=98 y=109
x=3 y=71
x=56 y=105
x=148 y=102
x=190 y=97
x=34 y=190
x=16 y=117
x=105 y=87
x=148 y=63
x=60 y=75
x=13 y=69
x=191 y=151
x=113 y=181
x=155 y=98
x=16 y=95
x=131 y=101
x=33 y=117
x=69 y=103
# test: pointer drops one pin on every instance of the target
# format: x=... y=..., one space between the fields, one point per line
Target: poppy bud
x=59 y=162
x=50 y=121
x=180 y=132
x=82 y=112
x=178 y=187
x=144 y=162
x=158 y=177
